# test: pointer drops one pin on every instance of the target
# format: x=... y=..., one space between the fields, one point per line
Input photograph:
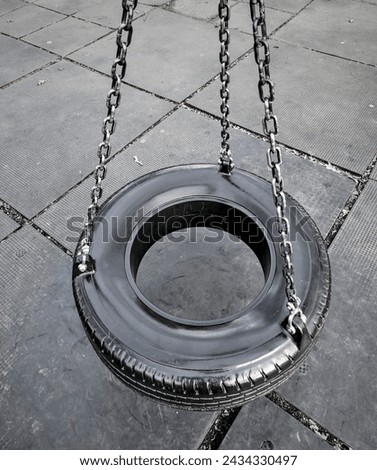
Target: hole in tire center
x=200 y=272
x=189 y=276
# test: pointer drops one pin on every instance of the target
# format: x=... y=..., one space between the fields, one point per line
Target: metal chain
x=274 y=157
x=226 y=160
x=269 y=121
x=118 y=72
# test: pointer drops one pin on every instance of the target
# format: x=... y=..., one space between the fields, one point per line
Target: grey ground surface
x=55 y=59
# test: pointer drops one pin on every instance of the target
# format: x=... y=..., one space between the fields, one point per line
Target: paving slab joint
x=42 y=27
x=107 y=75
x=287 y=11
x=15 y=9
x=112 y=29
x=91 y=174
x=319 y=161
x=219 y=429
x=351 y=201
x=237 y=60
x=51 y=239
x=308 y=422
x=289 y=19
x=33 y=72
x=12 y=213
x=225 y=419
x=318 y=51
x=299 y=153
x=21 y=220
x=211 y=80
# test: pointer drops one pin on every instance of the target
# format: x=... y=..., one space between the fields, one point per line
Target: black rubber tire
x=192 y=364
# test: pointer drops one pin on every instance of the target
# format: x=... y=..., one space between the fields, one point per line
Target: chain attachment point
x=295 y=311
x=118 y=72
x=274 y=160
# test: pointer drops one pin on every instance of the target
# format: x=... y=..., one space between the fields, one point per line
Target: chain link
x=118 y=72
x=226 y=160
x=274 y=158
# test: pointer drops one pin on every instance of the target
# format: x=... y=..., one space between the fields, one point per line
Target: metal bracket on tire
x=89 y=264
x=301 y=336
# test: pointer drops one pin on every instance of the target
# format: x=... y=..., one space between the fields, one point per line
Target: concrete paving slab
x=68 y=7
x=54 y=131
x=321 y=107
x=344 y=28
x=18 y=59
x=10 y=5
x=241 y=20
x=55 y=392
x=292 y=6
x=205 y=10
x=66 y=36
x=186 y=137
x=7 y=225
x=19 y=258
x=109 y=14
x=166 y=60
x=263 y=425
x=339 y=389
x=27 y=19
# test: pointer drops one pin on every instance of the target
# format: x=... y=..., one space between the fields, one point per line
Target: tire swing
x=201 y=365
